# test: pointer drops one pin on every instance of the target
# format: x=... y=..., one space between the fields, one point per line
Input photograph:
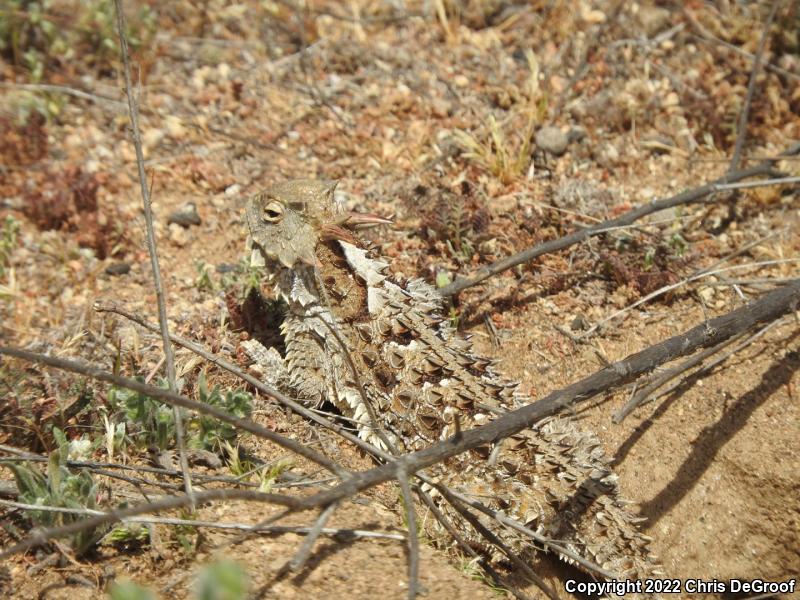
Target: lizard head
x=289 y=219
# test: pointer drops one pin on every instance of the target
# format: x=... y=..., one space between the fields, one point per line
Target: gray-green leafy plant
x=151 y=422
x=60 y=488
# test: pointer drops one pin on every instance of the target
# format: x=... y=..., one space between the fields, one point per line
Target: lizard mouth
x=335 y=230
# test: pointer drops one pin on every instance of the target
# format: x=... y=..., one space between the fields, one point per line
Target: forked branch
x=688 y=197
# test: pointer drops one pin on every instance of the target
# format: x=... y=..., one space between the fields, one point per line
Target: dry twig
x=741 y=130
x=158 y=285
x=687 y=197
x=768 y=308
x=170 y=502
x=175 y=399
x=300 y=558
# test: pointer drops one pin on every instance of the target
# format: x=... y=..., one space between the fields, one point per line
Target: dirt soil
x=484 y=128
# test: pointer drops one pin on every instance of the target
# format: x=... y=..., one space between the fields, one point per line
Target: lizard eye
x=273 y=212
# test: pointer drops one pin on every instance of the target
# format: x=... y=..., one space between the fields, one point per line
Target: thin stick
x=39 y=537
x=62 y=89
x=551 y=545
x=133 y=109
x=94 y=466
x=298 y=561
x=687 y=197
x=497 y=542
x=642 y=395
x=753 y=184
x=413 y=537
x=466 y=548
x=174 y=399
x=741 y=130
x=706 y=272
x=720 y=359
x=270 y=529
x=769 y=307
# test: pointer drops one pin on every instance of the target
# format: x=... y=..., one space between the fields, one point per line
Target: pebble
x=185 y=216
x=177 y=235
x=120 y=268
x=203 y=458
x=441 y=108
x=576 y=134
x=552 y=140
x=657 y=143
x=653 y=19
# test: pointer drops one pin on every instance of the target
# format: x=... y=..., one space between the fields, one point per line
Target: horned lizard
x=378 y=347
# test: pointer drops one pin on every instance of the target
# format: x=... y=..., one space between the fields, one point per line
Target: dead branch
x=688 y=197
x=268 y=529
x=617 y=418
x=298 y=561
x=97 y=466
x=133 y=109
x=741 y=129
x=466 y=548
x=770 y=307
x=487 y=534
x=175 y=399
x=413 y=537
x=642 y=395
x=171 y=502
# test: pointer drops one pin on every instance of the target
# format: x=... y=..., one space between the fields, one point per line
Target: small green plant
x=502 y=157
x=224 y=580
x=207 y=432
x=270 y=476
x=151 y=422
x=246 y=276
x=678 y=244
x=649 y=258
x=8 y=242
x=40 y=35
x=203 y=280
x=61 y=488
x=128 y=534
x=128 y=590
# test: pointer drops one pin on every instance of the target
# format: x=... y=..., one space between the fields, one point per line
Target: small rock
x=657 y=143
x=579 y=323
x=576 y=134
x=175 y=128
x=185 y=216
x=204 y=458
x=653 y=19
x=228 y=268
x=552 y=140
x=120 y=268
x=441 y=108
x=177 y=235
x=593 y=17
